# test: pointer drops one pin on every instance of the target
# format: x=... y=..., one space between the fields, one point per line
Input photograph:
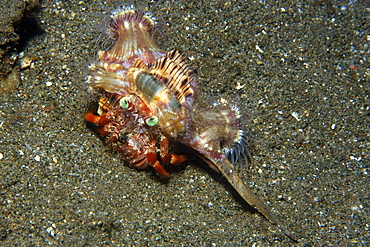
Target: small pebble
x=37 y=158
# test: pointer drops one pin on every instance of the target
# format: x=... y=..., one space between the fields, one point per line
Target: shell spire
x=167 y=86
x=174 y=70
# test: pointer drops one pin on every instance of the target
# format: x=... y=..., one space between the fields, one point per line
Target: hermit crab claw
x=227 y=170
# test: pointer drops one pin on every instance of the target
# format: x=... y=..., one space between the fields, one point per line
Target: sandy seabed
x=299 y=71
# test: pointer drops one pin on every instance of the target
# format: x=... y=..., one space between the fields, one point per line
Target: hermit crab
x=148 y=107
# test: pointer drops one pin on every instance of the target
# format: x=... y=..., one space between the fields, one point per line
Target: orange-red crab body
x=127 y=129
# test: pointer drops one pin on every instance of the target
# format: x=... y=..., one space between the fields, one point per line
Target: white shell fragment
x=296 y=116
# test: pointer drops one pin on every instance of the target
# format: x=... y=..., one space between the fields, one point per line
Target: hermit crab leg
x=227 y=169
x=91 y=117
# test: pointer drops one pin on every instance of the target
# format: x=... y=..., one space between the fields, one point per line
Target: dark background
x=297 y=69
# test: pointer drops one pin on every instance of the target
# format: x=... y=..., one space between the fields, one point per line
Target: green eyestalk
x=124 y=102
x=152 y=121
